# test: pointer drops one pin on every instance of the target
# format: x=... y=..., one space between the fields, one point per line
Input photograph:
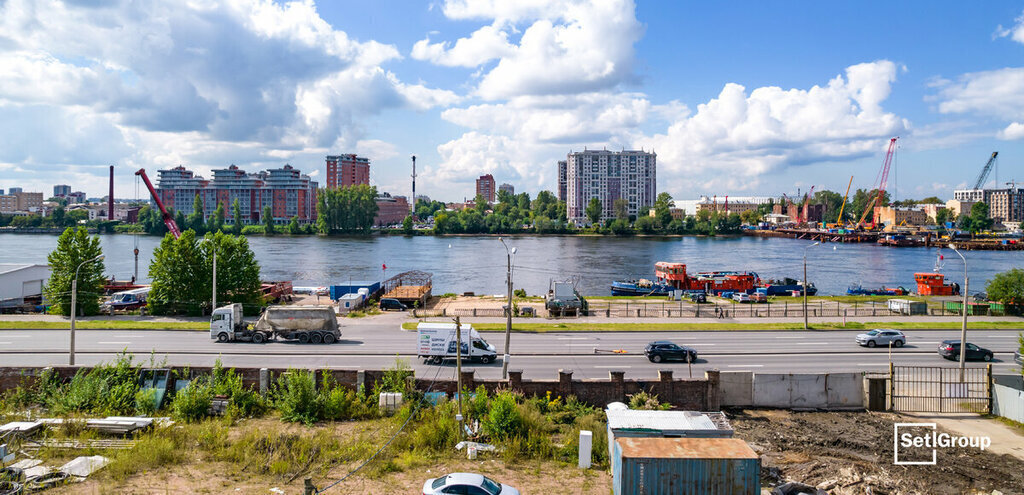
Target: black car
x=394 y=304
x=950 y=349
x=698 y=297
x=664 y=350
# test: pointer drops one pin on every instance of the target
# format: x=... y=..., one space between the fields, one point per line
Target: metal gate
x=939 y=389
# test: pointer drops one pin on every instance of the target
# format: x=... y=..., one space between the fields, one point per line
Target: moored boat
x=642 y=287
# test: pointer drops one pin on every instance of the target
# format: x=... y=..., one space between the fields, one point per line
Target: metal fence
x=940 y=389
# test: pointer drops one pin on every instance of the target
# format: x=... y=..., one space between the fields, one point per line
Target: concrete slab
x=771 y=390
x=737 y=388
x=845 y=390
x=1005 y=440
x=84 y=466
x=808 y=390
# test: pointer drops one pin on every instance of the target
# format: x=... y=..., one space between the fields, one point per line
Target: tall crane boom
x=983 y=176
x=883 y=178
x=839 y=219
x=168 y=220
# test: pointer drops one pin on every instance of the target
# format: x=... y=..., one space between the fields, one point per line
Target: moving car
x=741 y=297
x=395 y=304
x=466 y=484
x=950 y=349
x=663 y=350
x=882 y=336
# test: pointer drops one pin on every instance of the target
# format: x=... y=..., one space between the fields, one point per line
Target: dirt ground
x=848 y=453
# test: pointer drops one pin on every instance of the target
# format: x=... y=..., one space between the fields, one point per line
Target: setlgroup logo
x=919 y=443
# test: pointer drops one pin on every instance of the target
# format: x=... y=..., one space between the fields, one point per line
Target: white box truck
x=316 y=324
x=437 y=343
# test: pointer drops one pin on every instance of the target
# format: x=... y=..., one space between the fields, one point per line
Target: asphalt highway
x=376 y=343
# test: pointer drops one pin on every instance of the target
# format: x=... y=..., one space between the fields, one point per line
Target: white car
x=742 y=297
x=466 y=484
x=882 y=336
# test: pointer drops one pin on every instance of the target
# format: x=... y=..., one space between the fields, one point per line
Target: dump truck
x=316 y=324
x=437 y=343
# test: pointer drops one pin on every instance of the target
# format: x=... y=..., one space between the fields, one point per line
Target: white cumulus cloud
x=1013 y=131
x=1015 y=32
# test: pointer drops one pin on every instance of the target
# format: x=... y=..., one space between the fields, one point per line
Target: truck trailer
x=436 y=342
x=316 y=324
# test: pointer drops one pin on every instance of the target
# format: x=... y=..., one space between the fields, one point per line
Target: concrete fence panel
x=1008 y=397
x=737 y=388
x=771 y=390
x=808 y=390
x=845 y=390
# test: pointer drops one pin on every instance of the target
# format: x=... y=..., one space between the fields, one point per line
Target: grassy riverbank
x=106 y=325
x=668 y=327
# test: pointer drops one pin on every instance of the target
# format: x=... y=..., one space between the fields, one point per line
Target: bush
x=438 y=430
x=253 y=229
x=106 y=389
x=644 y=400
x=296 y=398
x=245 y=402
x=193 y=402
x=503 y=420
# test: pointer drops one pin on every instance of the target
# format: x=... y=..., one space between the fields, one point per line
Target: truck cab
x=225 y=322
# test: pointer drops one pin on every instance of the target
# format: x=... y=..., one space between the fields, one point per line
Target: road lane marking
x=789 y=337
x=812 y=343
x=745 y=366
x=5 y=343
x=572 y=338
x=613 y=367
x=1000 y=336
x=118 y=342
x=872 y=364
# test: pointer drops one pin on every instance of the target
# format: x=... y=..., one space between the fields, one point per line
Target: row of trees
x=346 y=210
x=181 y=271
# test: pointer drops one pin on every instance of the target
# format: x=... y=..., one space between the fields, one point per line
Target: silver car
x=467 y=484
x=882 y=336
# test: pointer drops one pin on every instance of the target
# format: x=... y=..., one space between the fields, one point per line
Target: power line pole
x=458 y=370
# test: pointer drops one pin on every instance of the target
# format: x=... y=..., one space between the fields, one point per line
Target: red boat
x=674 y=274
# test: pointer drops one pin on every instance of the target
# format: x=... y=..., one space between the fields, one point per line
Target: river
x=477 y=263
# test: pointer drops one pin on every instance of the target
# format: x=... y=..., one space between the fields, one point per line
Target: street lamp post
x=214 y=295
x=963 y=327
x=74 y=308
x=805 y=281
x=508 y=323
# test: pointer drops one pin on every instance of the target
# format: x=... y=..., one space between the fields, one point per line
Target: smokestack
x=412 y=204
x=110 y=196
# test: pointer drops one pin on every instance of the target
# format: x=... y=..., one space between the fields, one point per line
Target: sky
x=736 y=98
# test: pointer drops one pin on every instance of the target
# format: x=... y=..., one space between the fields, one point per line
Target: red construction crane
x=168 y=220
x=883 y=178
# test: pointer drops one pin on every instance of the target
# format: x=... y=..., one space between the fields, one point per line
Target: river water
x=478 y=263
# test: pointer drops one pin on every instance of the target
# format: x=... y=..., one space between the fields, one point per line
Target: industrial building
x=485 y=187
x=17 y=200
x=20 y=283
x=1004 y=204
x=609 y=176
x=347 y=170
x=897 y=216
x=391 y=210
x=288 y=192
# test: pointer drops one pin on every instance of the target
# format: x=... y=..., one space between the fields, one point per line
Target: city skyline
x=806 y=96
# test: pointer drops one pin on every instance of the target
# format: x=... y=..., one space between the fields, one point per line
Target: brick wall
x=696 y=394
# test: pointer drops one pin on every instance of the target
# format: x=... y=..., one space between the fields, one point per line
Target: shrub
x=503 y=420
x=296 y=398
x=145 y=402
x=644 y=400
x=193 y=402
x=438 y=430
x=245 y=402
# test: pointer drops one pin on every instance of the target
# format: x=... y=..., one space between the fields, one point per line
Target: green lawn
x=661 y=327
x=108 y=325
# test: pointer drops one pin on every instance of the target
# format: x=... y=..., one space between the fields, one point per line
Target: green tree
x=647 y=224
x=621 y=208
x=979 y=221
x=75 y=246
x=505 y=198
x=407 y=226
x=293 y=226
x=593 y=211
x=268 y=220
x=832 y=202
x=663 y=209
x=620 y=226
x=480 y=204
x=58 y=217
x=346 y=210
x=217 y=219
x=179 y=219
x=236 y=218
x=751 y=217
x=523 y=201
x=1007 y=287
x=196 y=219
x=182 y=273
x=942 y=216
x=931 y=200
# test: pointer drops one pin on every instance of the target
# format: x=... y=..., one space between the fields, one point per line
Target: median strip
x=556 y=327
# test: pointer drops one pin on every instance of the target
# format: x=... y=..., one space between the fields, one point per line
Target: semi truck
x=437 y=343
x=316 y=324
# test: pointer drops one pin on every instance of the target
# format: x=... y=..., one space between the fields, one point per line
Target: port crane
x=168 y=220
x=883 y=178
x=983 y=176
x=839 y=219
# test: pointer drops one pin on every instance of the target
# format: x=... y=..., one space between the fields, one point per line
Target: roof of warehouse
x=13 y=267
x=636 y=419
x=685 y=448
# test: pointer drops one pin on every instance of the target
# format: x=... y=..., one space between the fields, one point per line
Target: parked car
x=466 y=484
x=950 y=349
x=663 y=350
x=698 y=296
x=741 y=297
x=392 y=304
x=758 y=297
x=882 y=336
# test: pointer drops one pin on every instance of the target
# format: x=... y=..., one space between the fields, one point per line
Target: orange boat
x=674 y=274
x=932 y=284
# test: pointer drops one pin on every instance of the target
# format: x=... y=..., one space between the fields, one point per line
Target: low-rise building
x=391 y=210
x=677 y=213
x=959 y=207
x=19 y=282
x=897 y=216
x=727 y=204
x=931 y=210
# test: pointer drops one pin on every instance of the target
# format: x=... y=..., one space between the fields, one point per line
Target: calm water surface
x=478 y=263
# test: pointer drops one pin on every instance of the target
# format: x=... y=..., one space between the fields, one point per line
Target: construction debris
x=83 y=466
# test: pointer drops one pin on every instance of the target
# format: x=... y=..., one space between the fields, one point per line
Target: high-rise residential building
x=509 y=188
x=61 y=190
x=1006 y=204
x=29 y=201
x=1 y=192
x=485 y=187
x=14 y=190
x=347 y=170
x=288 y=192
x=608 y=176
x=8 y=203
x=562 y=179
x=76 y=197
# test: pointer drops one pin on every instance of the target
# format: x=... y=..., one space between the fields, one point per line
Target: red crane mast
x=883 y=178
x=168 y=220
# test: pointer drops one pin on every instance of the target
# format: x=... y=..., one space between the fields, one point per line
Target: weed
x=296 y=398
x=644 y=400
x=193 y=402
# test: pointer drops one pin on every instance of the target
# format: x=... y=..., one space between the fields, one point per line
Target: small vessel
x=641 y=287
x=881 y=291
x=787 y=286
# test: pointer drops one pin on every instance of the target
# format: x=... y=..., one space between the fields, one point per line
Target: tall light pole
x=74 y=308
x=214 y=295
x=508 y=324
x=805 y=281
x=963 y=327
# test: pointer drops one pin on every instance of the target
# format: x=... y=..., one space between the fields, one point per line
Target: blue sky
x=746 y=98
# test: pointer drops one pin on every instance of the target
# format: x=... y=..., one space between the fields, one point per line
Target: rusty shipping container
x=685 y=466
